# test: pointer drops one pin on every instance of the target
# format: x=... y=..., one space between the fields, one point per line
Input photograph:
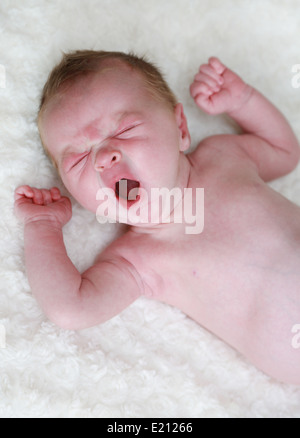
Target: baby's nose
x=106 y=159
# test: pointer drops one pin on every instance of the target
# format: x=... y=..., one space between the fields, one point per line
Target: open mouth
x=128 y=189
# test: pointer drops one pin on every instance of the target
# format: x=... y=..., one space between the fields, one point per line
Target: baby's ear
x=185 y=138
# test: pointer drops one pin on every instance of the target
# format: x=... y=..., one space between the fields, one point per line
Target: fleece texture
x=151 y=360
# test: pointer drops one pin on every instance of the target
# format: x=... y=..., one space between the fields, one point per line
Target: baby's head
x=109 y=116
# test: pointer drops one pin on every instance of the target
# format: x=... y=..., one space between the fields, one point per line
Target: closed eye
x=125 y=132
x=79 y=160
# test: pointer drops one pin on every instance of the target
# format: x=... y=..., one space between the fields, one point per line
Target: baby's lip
x=120 y=183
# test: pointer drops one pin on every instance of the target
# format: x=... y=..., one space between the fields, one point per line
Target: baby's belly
x=236 y=292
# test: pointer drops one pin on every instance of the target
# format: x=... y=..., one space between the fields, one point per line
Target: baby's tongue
x=124 y=186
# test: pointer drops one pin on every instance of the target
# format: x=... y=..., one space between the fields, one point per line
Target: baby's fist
x=217 y=90
x=33 y=205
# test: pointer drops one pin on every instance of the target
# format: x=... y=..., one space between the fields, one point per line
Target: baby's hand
x=33 y=205
x=216 y=89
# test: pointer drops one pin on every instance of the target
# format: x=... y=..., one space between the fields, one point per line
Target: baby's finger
x=47 y=198
x=217 y=65
x=200 y=88
x=22 y=191
x=208 y=80
x=211 y=72
x=203 y=101
x=38 y=196
x=55 y=193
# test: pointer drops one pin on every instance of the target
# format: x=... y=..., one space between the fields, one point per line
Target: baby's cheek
x=87 y=199
x=84 y=192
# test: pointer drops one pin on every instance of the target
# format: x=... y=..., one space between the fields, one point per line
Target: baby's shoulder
x=219 y=149
x=134 y=252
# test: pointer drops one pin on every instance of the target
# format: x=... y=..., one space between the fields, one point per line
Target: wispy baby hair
x=75 y=65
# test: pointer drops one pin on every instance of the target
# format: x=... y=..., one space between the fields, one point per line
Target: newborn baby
x=115 y=131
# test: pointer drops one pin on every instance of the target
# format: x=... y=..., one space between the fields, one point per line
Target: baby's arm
x=70 y=300
x=268 y=138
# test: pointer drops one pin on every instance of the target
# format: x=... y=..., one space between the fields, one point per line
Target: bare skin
x=239 y=278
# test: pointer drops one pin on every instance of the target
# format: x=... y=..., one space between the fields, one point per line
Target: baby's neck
x=168 y=224
x=184 y=172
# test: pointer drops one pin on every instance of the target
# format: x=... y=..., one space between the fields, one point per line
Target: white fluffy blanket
x=150 y=361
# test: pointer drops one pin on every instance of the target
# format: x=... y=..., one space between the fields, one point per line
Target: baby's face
x=108 y=127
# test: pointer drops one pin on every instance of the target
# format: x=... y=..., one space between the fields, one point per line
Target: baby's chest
x=173 y=267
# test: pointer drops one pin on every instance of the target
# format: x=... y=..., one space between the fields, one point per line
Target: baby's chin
x=87 y=204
